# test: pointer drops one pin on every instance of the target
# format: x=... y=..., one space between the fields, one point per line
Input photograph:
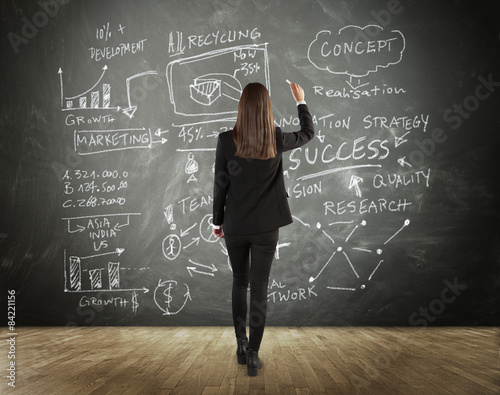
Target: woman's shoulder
x=226 y=140
x=225 y=136
x=226 y=133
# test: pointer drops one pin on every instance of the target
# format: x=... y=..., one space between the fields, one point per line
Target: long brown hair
x=254 y=133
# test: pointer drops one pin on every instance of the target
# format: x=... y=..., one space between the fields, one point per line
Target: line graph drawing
x=98 y=96
x=94 y=98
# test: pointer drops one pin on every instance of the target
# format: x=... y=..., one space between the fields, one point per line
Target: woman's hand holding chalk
x=297 y=91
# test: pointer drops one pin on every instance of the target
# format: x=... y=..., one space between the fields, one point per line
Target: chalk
x=288 y=82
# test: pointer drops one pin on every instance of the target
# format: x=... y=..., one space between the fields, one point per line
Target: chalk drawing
x=131 y=109
x=213 y=91
x=354 y=183
x=200 y=100
x=89 y=142
x=198 y=268
x=171 y=247
x=343 y=250
x=206 y=229
x=166 y=296
x=95 y=98
x=191 y=168
x=74 y=270
x=350 y=52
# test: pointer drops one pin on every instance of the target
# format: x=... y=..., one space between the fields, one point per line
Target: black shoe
x=241 y=352
x=253 y=362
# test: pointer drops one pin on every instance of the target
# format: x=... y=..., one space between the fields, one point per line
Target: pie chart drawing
x=207 y=89
x=211 y=83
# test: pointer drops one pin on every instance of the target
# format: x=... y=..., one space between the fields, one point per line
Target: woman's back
x=256 y=198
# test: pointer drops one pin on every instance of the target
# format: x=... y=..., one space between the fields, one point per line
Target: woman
x=250 y=205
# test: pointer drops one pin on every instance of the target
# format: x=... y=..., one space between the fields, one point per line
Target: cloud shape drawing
x=356 y=51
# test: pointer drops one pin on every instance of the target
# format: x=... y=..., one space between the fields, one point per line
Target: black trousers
x=251 y=257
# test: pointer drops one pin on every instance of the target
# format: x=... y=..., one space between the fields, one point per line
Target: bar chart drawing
x=114 y=275
x=95 y=279
x=101 y=271
x=97 y=97
x=79 y=277
x=73 y=274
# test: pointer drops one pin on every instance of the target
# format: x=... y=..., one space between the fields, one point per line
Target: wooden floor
x=303 y=360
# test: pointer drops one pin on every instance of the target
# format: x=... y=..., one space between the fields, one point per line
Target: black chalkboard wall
x=109 y=117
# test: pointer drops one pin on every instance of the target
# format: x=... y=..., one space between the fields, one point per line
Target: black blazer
x=249 y=194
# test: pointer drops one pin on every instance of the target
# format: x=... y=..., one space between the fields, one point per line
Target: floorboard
x=297 y=361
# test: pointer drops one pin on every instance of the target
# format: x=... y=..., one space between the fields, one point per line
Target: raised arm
x=306 y=132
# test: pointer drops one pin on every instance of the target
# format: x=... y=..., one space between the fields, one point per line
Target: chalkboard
x=110 y=113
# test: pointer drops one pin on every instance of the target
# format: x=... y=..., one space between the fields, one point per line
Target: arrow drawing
x=81 y=100
x=88 y=90
x=192 y=270
x=402 y=161
x=60 y=72
x=357 y=86
x=79 y=228
x=185 y=232
x=400 y=140
x=159 y=132
x=143 y=289
x=118 y=225
x=118 y=251
x=162 y=141
x=130 y=110
x=354 y=183
x=195 y=240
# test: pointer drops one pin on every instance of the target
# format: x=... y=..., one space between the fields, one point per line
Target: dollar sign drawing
x=162 y=296
x=166 y=292
x=135 y=305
